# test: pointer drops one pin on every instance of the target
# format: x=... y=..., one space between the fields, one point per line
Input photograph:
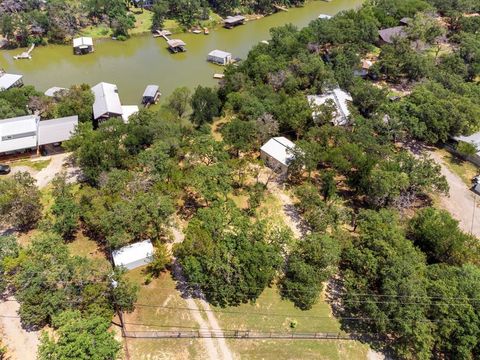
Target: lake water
x=143 y=60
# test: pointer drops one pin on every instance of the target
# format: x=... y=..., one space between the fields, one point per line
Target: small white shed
x=278 y=153
x=220 y=57
x=134 y=255
x=341 y=100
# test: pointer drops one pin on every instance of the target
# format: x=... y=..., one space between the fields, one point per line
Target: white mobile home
x=278 y=153
x=18 y=133
x=219 y=57
x=134 y=255
x=28 y=132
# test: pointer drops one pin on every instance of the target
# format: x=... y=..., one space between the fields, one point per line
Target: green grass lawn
x=464 y=169
x=34 y=164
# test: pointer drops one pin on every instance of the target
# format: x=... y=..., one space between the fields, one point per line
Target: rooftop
x=176 y=43
x=107 y=100
x=82 y=42
x=389 y=34
x=339 y=97
x=20 y=124
x=279 y=148
x=51 y=92
x=56 y=130
x=220 y=54
x=127 y=111
x=133 y=253
x=150 y=91
x=234 y=19
x=8 y=80
x=473 y=139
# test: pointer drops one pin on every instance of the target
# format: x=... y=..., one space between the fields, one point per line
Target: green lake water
x=143 y=60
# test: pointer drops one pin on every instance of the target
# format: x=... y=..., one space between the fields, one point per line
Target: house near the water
x=83 y=45
x=340 y=100
x=134 y=255
x=151 y=95
x=107 y=102
x=232 y=21
x=278 y=153
x=176 y=45
x=8 y=81
x=28 y=132
x=219 y=57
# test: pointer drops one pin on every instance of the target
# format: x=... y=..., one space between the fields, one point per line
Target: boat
x=206 y=31
x=218 y=76
x=197 y=31
x=324 y=16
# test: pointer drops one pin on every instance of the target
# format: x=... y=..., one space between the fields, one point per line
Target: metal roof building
x=8 y=81
x=387 y=35
x=220 y=57
x=134 y=255
x=83 y=45
x=56 y=130
x=18 y=133
x=473 y=139
x=278 y=153
x=107 y=102
x=340 y=98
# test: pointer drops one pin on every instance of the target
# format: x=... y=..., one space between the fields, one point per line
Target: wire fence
x=234 y=334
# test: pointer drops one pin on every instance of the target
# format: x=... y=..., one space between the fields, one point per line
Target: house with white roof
x=8 y=81
x=340 y=98
x=134 y=255
x=127 y=111
x=219 y=57
x=107 y=102
x=278 y=153
x=28 y=132
x=82 y=45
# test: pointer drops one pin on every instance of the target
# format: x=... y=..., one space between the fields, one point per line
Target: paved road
x=462 y=203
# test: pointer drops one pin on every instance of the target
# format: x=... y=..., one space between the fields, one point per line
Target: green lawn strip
x=36 y=165
x=271 y=313
x=299 y=349
x=166 y=310
x=464 y=169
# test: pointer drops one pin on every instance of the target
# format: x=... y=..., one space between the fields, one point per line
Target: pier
x=26 y=54
x=174 y=45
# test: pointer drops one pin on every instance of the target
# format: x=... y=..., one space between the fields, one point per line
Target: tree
x=178 y=101
x=437 y=234
x=241 y=136
x=20 y=205
x=79 y=337
x=78 y=100
x=227 y=256
x=205 y=105
x=159 y=13
x=65 y=210
x=309 y=265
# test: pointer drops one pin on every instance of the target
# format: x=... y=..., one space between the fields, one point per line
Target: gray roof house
x=388 y=35
x=56 y=130
x=107 y=102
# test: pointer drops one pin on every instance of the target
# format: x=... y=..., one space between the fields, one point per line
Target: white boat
x=324 y=16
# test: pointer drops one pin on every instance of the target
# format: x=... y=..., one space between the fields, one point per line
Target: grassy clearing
x=143 y=22
x=165 y=310
x=34 y=164
x=96 y=32
x=464 y=169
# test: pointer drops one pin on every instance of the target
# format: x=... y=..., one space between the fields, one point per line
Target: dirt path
x=462 y=203
x=22 y=345
x=216 y=348
x=290 y=214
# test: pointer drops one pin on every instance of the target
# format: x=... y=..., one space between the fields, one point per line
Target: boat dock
x=26 y=54
x=174 y=45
